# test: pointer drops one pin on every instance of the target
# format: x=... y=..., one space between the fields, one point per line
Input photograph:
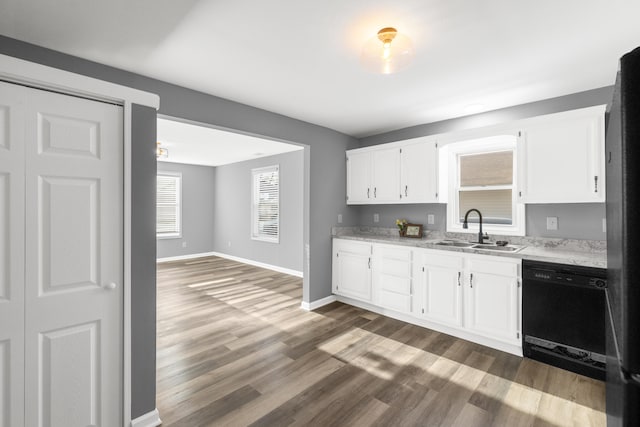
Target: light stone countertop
x=588 y=253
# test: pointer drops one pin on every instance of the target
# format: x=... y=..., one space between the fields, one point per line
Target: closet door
x=74 y=261
x=11 y=256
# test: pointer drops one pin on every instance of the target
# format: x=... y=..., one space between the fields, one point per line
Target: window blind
x=168 y=205
x=266 y=203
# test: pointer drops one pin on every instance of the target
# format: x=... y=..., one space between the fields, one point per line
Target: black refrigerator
x=623 y=246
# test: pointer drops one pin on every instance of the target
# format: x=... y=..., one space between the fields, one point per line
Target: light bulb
x=387 y=60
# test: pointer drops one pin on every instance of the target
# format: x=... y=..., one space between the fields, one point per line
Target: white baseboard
x=235 y=258
x=150 y=419
x=310 y=306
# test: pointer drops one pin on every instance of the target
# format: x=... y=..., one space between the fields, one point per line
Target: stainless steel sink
x=484 y=246
x=490 y=247
x=455 y=243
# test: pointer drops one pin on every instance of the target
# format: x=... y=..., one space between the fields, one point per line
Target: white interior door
x=73 y=232
x=11 y=256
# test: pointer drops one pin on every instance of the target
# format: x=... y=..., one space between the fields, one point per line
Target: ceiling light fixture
x=161 y=152
x=387 y=52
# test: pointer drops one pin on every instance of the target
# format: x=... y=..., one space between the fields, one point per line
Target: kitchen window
x=168 y=205
x=265 y=208
x=483 y=176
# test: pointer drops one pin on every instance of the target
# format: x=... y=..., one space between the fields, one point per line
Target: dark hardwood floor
x=236 y=349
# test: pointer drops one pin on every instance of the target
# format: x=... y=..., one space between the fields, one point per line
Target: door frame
x=23 y=72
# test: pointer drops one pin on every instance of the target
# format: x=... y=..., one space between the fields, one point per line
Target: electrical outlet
x=604 y=225
x=339 y=218
x=552 y=223
x=376 y=217
x=184 y=244
x=431 y=219
x=229 y=243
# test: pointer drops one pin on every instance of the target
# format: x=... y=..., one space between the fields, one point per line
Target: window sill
x=265 y=239
x=169 y=236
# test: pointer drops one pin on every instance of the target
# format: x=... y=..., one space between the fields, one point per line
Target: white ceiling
x=198 y=145
x=301 y=58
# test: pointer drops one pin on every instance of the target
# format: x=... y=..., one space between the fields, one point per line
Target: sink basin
x=497 y=248
x=455 y=244
x=484 y=246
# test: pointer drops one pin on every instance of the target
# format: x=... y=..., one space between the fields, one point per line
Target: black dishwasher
x=563 y=316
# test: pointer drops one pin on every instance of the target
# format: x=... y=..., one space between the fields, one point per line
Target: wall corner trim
x=150 y=419
x=310 y=306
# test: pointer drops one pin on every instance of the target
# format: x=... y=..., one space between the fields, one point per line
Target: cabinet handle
x=459 y=274
x=368 y=194
x=406 y=187
x=369 y=263
x=595 y=183
x=471 y=280
x=375 y=192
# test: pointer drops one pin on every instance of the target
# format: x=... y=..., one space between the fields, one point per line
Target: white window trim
x=254 y=211
x=177 y=235
x=503 y=142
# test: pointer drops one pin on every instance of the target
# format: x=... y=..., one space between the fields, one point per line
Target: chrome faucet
x=465 y=225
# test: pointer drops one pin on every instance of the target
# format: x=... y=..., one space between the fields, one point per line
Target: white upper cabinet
x=358 y=177
x=419 y=172
x=561 y=158
x=373 y=176
x=385 y=175
x=398 y=172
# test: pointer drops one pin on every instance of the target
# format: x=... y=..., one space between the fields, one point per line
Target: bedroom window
x=265 y=207
x=168 y=205
x=483 y=176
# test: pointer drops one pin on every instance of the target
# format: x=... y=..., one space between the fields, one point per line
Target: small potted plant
x=402 y=226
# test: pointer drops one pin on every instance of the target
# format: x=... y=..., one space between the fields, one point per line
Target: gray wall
x=576 y=221
x=143 y=260
x=232 y=211
x=325 y=177
x=197 y=211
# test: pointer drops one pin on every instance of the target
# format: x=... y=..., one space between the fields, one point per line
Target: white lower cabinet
x=472 y=296
x=352 y=269
x=441 y=286
x=493 y=297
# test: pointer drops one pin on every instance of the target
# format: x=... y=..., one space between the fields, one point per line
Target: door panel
x=68 y=136
x=11 y=256
x=358 y=178
x=68 y=260
x=386 y=175
x=74 y=229
x=70 y=393
x=493 y=305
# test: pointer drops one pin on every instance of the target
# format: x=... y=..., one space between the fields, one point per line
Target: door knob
x=110 y=286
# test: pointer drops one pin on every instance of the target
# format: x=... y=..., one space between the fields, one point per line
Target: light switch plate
x=431 y=219
x=376 y=217
x=339 y=218
x=552 y=223
x=604 y=225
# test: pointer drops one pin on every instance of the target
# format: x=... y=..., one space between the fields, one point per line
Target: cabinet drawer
x=351 y=246
x=395 y=301
x=395 y=267
x=498 y=267
x=400 y=254
x=401 y=285
x=445 y=261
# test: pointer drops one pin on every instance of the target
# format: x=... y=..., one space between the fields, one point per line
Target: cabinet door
x=352 y=269
x=386 y=175
x=359 y=178
x=442 y=289
x=419 y=173
x=492 y=302
x=562 y=161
